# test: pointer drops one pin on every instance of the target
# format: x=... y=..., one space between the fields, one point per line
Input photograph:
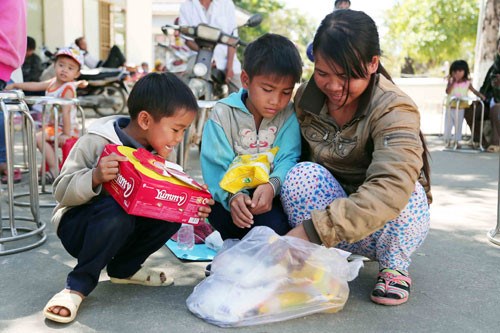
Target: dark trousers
x=468 y=115
x=222 y=221
x=101 y=234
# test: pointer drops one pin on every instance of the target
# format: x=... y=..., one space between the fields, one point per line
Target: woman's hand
x=242 y=217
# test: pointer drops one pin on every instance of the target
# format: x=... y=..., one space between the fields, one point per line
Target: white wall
x=63 y=22
x=91 y=26
x=139 y=33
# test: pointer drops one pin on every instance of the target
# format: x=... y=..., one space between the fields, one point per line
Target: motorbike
x=206 y=82
x=106 y=92
x=177 y=59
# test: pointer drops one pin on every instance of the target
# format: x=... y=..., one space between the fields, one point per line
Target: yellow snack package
x=248 y=171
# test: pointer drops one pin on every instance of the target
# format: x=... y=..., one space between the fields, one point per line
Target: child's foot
x=146 y=277
x=49 y=178
x=63 y=306
x=392 y=288
x=4 y=177
x=493 y=149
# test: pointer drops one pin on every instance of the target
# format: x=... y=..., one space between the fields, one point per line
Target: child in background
x=92 y=226
x=254 y=120
x=63 y=85
x=459 y=85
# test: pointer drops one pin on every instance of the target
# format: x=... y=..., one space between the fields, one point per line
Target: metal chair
x=31 y=234
x=470 y=143
x=494 y=234
x=49 y=104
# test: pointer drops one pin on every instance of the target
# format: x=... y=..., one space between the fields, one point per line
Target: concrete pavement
x=456 y=274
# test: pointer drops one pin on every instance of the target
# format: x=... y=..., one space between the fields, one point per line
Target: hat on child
x=72 y=53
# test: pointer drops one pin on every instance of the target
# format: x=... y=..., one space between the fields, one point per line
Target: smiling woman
x=365 y=189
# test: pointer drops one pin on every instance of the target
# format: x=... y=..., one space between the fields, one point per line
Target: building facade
x=133 y=25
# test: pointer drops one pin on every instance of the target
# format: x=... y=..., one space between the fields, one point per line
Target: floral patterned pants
x=309 y=186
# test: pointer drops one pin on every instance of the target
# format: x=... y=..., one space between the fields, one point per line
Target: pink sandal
x=17 y=177
x=392 y=288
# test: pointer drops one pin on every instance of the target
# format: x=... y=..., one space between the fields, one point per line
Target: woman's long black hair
x=350 y=39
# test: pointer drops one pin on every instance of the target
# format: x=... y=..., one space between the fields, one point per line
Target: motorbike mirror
x=254 y=20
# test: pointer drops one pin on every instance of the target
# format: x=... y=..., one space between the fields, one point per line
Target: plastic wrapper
x=267 y=278
x=248 y=171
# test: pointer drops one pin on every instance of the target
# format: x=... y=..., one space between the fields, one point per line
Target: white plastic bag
x=214 y=241
x=266 y=278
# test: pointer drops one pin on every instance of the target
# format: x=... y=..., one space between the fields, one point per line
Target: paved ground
x=455 y=273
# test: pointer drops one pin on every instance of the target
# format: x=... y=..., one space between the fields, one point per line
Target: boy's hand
x=61 y=140
x=240 y=214
x=10 y=86
x=82 y=84
x=107 y=169
x=204 y=211
x=262 y=199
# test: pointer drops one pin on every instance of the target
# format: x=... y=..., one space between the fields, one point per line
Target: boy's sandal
x=64 y=299
x=392 y=288
x=146 y=277
x=208 y=270
x=17 y=177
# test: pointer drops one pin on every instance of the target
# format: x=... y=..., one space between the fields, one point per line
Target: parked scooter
x=177 y=59
x=206 y=82
x=106 y=92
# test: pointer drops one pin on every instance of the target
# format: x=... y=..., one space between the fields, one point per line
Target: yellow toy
x=248 y=171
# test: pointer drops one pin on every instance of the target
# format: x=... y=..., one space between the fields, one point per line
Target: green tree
x=277 y=19
x=431 y=31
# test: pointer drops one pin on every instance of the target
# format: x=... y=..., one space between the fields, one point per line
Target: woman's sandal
x=63 y=299
x=146 y=277
x=392 y=288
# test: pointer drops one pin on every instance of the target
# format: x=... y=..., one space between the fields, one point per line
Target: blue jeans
x=101 y=234
x=222 y=221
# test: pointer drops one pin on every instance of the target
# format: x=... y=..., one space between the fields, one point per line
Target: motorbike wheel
x=119 y=101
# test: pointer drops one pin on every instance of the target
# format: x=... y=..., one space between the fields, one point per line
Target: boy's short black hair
x=31 y=43
x=160 y=94
x=272 y=54
x=338 y=2
x=78 y=40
